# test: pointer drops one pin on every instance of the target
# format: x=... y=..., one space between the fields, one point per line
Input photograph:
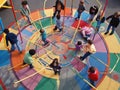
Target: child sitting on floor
x=58 y=24
x=86 y=32
x=78 y=45
x=44 y=36
x=56 y=67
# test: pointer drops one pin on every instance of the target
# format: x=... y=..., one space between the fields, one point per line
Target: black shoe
x=106 y=33
x=76 y=18
x=111 y=34
x=55 y=29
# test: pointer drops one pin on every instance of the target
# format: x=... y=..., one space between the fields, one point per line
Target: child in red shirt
x=93 y=75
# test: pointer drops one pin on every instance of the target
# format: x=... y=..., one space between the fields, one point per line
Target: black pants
x=56 y=71
x=92 y=82
x=56 y=11
x=30 y=65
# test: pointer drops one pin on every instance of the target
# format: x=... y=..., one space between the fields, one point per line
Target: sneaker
x=76 y=18
x=106 y=33
x=111 y=34
x=55 y=29
x=84 y=61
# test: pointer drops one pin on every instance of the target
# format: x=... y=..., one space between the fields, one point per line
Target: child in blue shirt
x=44 y=36
x=12 y=38
x=58 y=24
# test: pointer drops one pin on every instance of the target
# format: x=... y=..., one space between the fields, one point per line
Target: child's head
x=82 y=2
x=32 y=52
x=6 y=31
x=79 y=43
x=116 y=14
x=24 y=3
x=41 y=30
x=90 y=42
x=92 y=69
x=58 y=16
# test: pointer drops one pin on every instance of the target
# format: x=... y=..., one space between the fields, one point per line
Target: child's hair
x=79 y=43
x=32 y=52
x=90 y=42
x=81 y=1
x=41 y=30
x=116 y=14
x=58 y=16
x=6 y=31
x=24 y=2
x=92 y=69
x=55 y=60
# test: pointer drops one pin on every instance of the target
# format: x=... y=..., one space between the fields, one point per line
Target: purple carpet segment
x=32 y=82
x=77 y=64
x=99 y=44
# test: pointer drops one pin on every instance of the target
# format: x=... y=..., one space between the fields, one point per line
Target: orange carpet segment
x=17 y=60
x=35 y=15
x=67 y=12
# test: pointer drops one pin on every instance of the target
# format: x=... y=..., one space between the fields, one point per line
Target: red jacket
x=93 y=76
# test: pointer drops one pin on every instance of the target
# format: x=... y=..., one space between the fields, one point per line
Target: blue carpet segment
x=93 y=62
x=84 y=16
x=4 y=57
x=26 y=32
x=21 y=88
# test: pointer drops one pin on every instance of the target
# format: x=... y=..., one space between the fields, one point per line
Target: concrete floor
x=7 y=16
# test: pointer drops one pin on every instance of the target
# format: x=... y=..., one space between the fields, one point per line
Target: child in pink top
x=86 y=32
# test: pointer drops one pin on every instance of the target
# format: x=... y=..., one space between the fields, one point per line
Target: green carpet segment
x=47 y=84
x=113 y=60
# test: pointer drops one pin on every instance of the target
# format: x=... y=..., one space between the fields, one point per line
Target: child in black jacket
x=113 y=23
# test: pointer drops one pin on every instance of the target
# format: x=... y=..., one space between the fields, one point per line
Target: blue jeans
x=45 y=41
x=92 y=82
x=28 y=19
x=85 y=55
x=79 y=14
x=18 y=46
x=113 y=28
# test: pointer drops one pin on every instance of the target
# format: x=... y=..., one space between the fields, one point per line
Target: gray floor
x=7 y=16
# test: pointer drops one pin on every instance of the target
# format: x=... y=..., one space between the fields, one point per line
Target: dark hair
x=79 y=43
x=41 y=30
x=92 y=69
x=32 y=52
x=55 y=60
x=24 y=2
x=58 y=16
x=6 y=31
x=90 y=42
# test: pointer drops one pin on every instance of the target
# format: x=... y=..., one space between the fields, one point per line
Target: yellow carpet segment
x=108 y=84
x=112 y=43
x=48 y=12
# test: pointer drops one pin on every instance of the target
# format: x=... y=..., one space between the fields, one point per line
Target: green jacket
x=28 y=58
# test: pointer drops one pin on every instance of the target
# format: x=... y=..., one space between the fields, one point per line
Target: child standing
x=113 y=23
x=25 y=11
x=44 y=36
x=58 y=24
x=93 y=75
x=12 y=38
x=93 y=11
x=58 y=6
x=81 y=8
x=89 y=49
x=56 y=67
x=28 y=57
